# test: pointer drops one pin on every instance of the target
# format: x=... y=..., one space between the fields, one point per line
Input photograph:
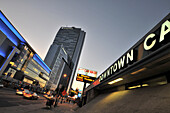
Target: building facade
x=145 y=64
x=72 y=40
x=19 y=63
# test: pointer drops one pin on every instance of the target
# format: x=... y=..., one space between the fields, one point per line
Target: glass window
x=28 y=81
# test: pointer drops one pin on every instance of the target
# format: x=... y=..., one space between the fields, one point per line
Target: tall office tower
x=57 y=64
x=72 y=40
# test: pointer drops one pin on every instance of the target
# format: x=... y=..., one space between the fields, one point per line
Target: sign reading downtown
x=85 y=75
x=154 y=40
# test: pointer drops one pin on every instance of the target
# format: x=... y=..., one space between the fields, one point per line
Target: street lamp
x=65 y=75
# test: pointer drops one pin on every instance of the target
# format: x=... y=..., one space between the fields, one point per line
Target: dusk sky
x=111 y=26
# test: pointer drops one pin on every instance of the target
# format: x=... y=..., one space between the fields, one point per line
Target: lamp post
x=62 y=81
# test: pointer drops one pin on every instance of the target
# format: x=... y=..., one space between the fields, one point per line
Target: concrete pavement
x=12 y=103
x=144 y=100
x=40 y=108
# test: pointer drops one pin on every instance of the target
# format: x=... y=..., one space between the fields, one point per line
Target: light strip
x=10 y=35
x=2 y=54
x=7 y=58
x=115 y=81
x=134 y=87
x=5 y=20
x=144 y=85
x=140 y=70
x=41 y=62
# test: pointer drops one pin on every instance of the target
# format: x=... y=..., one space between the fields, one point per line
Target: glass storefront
x=17 y=62
x=28 y=81
x=33 y=70
x=23 y=68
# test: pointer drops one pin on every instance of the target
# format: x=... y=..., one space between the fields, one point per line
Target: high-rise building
x=72 y=40
x=57 y=64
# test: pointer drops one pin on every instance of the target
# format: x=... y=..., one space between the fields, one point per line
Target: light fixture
x=115 y=81
x=12 y=63
x=138 y=86
x=144 y=85
x=134 y=87
x=140 y=70
x=65 y=75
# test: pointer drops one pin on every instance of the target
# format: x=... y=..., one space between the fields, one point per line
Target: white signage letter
x=163 y=31
x=108 y=72
x=100 y=79
x=105 y=75
x=111 y=68
x=129 y=56
x=115 y=67
x=146 y=47
x=121 y=62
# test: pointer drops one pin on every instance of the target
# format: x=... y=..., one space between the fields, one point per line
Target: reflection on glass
x=28 y=81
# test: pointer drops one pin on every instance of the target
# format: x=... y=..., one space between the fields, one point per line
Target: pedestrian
x=69 y=100
x=50 y=101
x=56 y=101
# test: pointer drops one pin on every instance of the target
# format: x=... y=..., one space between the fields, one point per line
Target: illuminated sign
x=85 y=75
x=87 y=72
x=119 y=64
x=85 y=78
x=151 y=42
x=165 y=29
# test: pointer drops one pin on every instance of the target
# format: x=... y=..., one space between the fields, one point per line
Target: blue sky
x=111 y=26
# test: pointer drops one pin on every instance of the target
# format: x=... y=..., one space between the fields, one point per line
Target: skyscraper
x=72 y=40
x=57 y=64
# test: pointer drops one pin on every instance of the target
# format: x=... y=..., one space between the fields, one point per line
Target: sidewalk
x=40 y=108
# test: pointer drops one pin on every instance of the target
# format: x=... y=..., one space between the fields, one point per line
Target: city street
x=84 y=56
x=12 y=103
x=9 y=98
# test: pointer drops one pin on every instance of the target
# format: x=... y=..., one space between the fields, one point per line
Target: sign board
x=87 y=72
x=85 y=75
x=85 y=78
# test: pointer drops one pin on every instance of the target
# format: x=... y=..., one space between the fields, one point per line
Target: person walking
x=56 y=101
